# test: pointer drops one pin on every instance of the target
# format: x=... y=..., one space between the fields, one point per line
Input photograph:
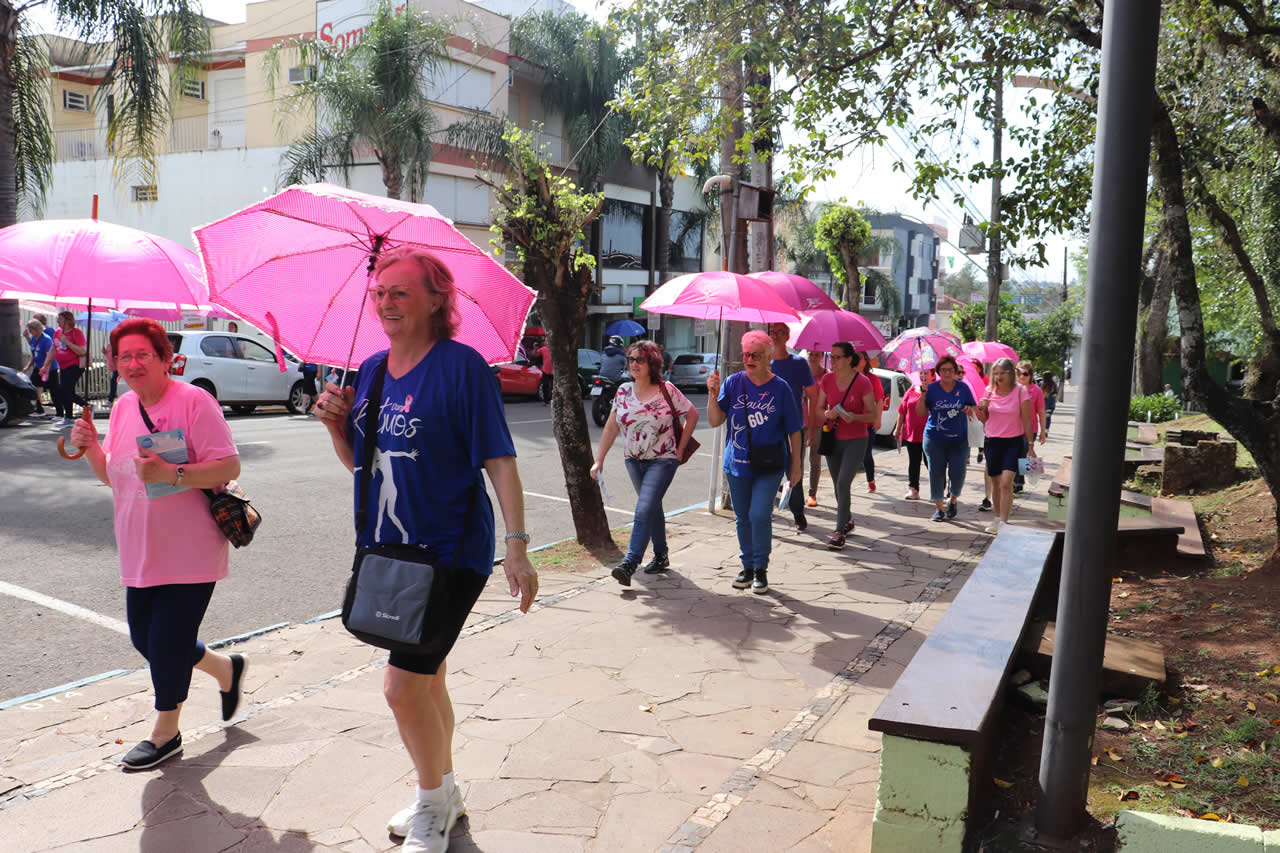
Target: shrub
x=1162 y=408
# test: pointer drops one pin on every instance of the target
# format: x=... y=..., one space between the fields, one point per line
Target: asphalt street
x=60 y=597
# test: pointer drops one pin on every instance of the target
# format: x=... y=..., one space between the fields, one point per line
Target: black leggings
x=66 y=396
x=915 y=455
x=163 y=623
x=869 y=461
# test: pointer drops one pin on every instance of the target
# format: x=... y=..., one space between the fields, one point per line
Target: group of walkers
x=57 y=359
x=780 y=402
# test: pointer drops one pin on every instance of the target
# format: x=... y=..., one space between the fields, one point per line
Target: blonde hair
x=436 y=278
x=754 y=338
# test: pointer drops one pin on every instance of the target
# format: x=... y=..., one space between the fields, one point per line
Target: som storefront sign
x=343 y=23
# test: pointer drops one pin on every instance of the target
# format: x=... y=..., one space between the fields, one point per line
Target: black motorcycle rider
x=614 y=361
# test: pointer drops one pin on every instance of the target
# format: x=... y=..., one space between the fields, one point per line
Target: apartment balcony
x=79 y=145
x=193 y=133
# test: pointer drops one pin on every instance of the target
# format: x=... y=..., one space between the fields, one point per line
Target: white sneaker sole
x=399 y=823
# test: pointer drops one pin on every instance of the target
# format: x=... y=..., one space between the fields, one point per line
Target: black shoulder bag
x=764 y=459
x=230 y=508
x=398 y=595
x=827 y=441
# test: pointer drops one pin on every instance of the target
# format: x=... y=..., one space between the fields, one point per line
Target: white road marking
x=539 y=421
x=566 y=500
x=65 y=607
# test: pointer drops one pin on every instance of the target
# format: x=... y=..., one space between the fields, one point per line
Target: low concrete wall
x=1140 y=832
x=923 y=797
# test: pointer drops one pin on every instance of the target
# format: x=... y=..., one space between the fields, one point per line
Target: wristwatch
x=521 y=535
x=181 y=470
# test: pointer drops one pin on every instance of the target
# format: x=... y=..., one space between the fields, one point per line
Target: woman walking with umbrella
x=437 y=422
x=848 y=405
x=763 y=442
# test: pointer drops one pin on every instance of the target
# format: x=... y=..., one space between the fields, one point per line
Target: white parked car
x=691 y=369
x=237 y=370
x=896 y=385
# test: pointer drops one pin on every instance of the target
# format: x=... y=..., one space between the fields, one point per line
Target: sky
x=864 y=176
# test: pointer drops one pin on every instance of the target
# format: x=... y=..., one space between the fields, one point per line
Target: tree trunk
x=8 y=153
x=666 y=201
x=1254 y=422
x=563 y=309
x=392 y=174
x=1153 y=318
x=852 y=281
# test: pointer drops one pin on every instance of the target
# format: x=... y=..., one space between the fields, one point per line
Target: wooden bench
x=1181 y=513
x=938 y=720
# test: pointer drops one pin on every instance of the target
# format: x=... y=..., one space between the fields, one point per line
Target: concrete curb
x=1142 y=832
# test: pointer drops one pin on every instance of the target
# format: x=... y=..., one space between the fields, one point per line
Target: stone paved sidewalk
x=677 y=715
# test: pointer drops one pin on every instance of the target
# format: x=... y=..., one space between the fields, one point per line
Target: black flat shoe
x=231 y=698
x=147 y=754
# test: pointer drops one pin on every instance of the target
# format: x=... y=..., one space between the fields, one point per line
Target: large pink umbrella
x=971 y=377
x=989 y=351
x=718 y=295
x=818 y=330
x=797 y=291
x=299 y=264
x=918 y=348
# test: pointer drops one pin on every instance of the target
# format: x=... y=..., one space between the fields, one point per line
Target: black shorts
x=1003 y=454
x=466 y=592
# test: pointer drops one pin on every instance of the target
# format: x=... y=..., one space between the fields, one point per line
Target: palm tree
x=585 y=69
x=374 y=93
x=132 y=41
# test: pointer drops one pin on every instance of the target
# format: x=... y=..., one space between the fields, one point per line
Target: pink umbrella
x=818 y=330
x=298 y=265
x=918 y=348
x=972 y=378
x=53 y=260
x=797 y=291
x=720 y=295
x=989 y=351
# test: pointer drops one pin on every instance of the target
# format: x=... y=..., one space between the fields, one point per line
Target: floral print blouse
x=646 y=428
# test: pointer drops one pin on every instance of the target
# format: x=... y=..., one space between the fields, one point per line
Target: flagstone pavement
x=677 y=715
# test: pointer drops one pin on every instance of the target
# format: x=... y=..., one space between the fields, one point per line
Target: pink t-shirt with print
x=171 y=539
x=647 y=431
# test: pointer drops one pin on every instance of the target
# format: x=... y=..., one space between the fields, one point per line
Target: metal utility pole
x=994 y=267
x=1066 y=352
x=1123 y=144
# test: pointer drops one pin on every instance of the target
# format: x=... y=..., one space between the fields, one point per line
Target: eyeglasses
x=838 y=355
x=946 y=370
x=752 y=356
x=1024 y=372
x=635 y=359
x=139 y=357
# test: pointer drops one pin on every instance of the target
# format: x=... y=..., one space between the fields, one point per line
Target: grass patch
x=571 y=557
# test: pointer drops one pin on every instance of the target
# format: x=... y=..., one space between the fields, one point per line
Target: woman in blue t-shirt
x=762 y=442
x=949 y=404
x=439 y=422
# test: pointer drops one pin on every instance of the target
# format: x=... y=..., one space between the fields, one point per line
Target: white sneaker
x=430 y=827
x=994 y=528
x=403 y=819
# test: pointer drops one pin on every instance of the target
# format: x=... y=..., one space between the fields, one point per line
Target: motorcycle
x=603 y=390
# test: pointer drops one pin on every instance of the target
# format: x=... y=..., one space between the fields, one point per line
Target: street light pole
x=994 y=267
x=1123 y=143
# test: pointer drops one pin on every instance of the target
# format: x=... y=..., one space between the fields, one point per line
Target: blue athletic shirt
x=439 y=423
x=772 y=410
x=795 y=371
x=40 y=347
x=947 y=421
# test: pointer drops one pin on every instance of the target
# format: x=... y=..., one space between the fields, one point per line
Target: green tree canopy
x=843 y=233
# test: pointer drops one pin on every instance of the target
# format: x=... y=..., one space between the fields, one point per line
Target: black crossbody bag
x=230 y=508
x=397 y=594
x=766 y=458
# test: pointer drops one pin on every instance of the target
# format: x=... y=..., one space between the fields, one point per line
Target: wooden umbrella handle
x=86 y=415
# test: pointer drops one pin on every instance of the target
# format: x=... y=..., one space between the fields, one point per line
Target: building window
x=300 y=74
x=458 y=84
x=686 y=241
x=193 y=89
x=146 y=192
x=73 y=100
x=624 y=235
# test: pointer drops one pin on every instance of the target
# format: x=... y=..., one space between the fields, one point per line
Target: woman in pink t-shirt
x=819 y=370
x=171 y=551
x=1005 y=411
x=910 y=431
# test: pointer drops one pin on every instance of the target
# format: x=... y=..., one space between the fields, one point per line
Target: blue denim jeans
x=946 y=457
x=753 y=499
x=651 y=477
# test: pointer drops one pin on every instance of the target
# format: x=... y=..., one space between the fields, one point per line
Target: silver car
x=691 y=369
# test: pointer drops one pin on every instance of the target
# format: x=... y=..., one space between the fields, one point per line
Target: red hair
x=436 y=278
x=149 y=329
